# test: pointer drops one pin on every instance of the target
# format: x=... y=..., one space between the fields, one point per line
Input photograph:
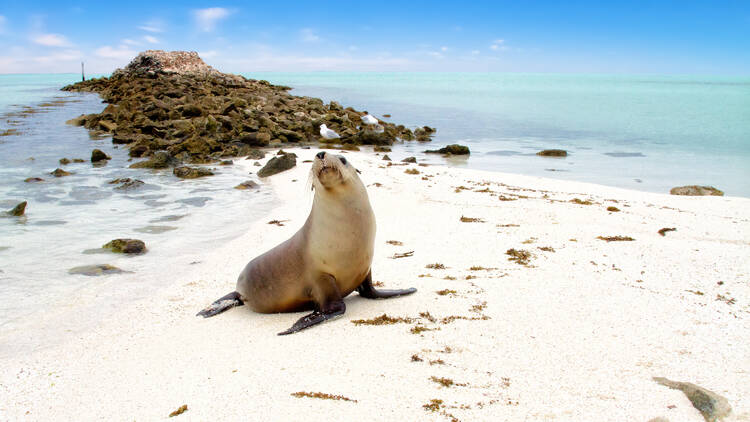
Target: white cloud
x=308 y=35
x=206 y=19
x=208 y=54
x=121 y=52
x=150 y=39
x=152 y=26
x=51 y=40
x=435 y=54
x=443 y=48
x=62 y=56
x=128 y=41
x=498 y=41
x=498 y=45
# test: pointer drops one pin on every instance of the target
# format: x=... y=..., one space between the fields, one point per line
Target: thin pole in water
x=83 y=78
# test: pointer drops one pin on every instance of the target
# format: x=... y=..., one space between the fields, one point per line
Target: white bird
x=368 y=119
x=328 y=133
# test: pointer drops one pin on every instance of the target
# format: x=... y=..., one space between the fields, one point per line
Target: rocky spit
x=174 y=102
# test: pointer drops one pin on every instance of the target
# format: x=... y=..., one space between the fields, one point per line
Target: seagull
x=328 y=133
x=368 y=119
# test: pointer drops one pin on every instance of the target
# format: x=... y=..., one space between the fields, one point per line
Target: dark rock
x=18 y=210
x=256 y=164
x=552 y=153
x=79 y=160
x=77 y=121
x=278 y=164
x=712 y=406
x=256 y=154
x=191 y=172
x=379 y=148
x=126 y=246
x=454 y=149
x=99 y=155
x=33 y=180
x=60 y=173
x=409 y=160
x=95 y=270
x=249 y=184
x=386 y=158
x=160 y=160
x=127 y=184
x=64 y=161
x=694 y=190
x=258 y=139
x=226 y=163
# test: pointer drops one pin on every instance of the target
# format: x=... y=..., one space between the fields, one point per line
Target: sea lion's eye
x=343 y=160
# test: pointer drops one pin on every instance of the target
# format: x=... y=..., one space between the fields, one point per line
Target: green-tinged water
x=635 y=131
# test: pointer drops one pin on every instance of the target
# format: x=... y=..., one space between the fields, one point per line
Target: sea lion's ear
x=357 y=170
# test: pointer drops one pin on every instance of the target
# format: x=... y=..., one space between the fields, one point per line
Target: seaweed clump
x=616 y=238
x=324 y=396
x=383 y=320
x=519 y=256
x=180 y=410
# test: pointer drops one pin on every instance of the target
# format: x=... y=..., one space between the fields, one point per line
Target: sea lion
x=328 y=258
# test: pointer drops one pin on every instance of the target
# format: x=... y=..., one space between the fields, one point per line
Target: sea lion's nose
x=321 y=155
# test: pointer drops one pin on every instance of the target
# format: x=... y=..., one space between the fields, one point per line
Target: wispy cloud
x=498 y=44
x=208 y=54
x=206 y=19
x=435 y=54
x=128 y=41
x=61 y=56
x=443 y=48
x=122 y=52
x=151 y=40
x=153 y=25
x=51 y=40
x=308 y=35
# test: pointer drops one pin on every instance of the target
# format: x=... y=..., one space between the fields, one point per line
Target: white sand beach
x=576 y=334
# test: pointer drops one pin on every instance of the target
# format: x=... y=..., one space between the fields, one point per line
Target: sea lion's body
x=327 y=259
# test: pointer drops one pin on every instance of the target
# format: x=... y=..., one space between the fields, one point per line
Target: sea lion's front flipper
x=222 y=304
x=328 y=301
x=367 y=290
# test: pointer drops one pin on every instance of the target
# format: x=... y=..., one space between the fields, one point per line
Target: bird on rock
x=328 y=133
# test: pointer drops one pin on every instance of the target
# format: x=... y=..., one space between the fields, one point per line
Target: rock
x=278 y=164
x=99 y=155
x=33 y=180
x=126 y=246
x=60 y=173
x=249 y=184
x=160 y=160
x=191 y=172
x=256 y=154
x=256 y=164
x=79 y=160
x=423 y=134
x=18 y=210
x=379 y=148
x=409 y=160
x=552 y=153
x=226 y=163
x=694 y=190
x=712 y=406
x=386 y=158
x=454 y=149
x=77 y=121
x=108 y=126
x=64 y=161
x=127 y=184
x=95 y=270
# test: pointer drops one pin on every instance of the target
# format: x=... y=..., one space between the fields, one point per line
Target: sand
x=575 y=334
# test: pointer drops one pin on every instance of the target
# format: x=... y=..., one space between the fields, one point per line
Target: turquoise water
x=634 y=131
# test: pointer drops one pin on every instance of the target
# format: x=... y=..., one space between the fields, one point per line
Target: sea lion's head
x=330 y=171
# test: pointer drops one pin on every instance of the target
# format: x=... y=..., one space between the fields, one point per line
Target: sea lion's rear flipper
x=367 y=290
x=222 y=304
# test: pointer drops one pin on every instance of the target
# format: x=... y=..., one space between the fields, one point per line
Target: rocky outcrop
x=126 y=246
x=694 y=190
x=60 y=173
x=249 y=184
x=126 y=184
x=95 y=270
x=278 y=164
x=173 y=102
x=191 y=172
x=160 y=160
x=453 y=149
x=99 y=155
x=552 y=153
x=18 y=210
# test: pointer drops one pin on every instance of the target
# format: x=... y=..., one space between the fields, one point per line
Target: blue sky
x=673 y=37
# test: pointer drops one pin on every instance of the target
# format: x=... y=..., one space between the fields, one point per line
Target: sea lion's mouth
x=329 y=175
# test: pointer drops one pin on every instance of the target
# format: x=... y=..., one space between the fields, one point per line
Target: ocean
x=647 y=133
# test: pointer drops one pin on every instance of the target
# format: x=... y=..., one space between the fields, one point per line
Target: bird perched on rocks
x=328 y=133
x=369 y=120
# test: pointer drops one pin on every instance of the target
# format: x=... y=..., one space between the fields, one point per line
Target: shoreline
x=573 y=344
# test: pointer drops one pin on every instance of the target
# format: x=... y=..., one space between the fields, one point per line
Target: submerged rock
x=127 y=184
x=386 y=158
x=18 y=210
x=126 y=246
x=64 y=161
x=249 y=184
x=191 y=172
x=278 y=164
x=60 y=173
x=99 y=155
x=160 y=160
x=694 y=190
x=453 y=149
x=95 y=270
x=33 y=180
x=552 y=153
x=409 y=160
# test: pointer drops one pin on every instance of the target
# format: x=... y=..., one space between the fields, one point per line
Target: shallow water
x=68 y=219
x=640 y=132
